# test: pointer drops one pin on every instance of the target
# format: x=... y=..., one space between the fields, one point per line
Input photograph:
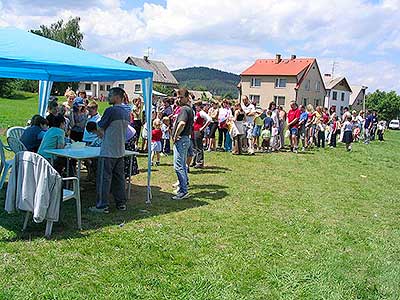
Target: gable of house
x=161 y=73
x=357 y=95
x=339 y=83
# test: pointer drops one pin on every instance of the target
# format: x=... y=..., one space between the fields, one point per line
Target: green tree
x=167 y=90
x=7 y=87
x=68 y=33
x=386 y=104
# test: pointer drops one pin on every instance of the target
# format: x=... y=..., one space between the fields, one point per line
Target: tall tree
x=68 y=33
x=387 y=104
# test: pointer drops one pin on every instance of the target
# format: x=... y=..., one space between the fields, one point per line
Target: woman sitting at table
x=54 y=139
x=33 y=135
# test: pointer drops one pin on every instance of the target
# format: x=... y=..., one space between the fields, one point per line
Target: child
x=348 y=133
x=334 y=130
x=266 y=136
x=321 y=134
x=156 y=135
x=166 y=134
x=381 y=131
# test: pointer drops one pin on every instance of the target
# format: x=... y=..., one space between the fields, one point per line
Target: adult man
x=293 y=118
x=94 y=116
x=201 y=122
x=110 y=173
x=367 y=127
x=249 y=111
x=302 y=126
x=181 y=132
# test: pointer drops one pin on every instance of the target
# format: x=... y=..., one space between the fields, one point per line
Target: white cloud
x=230 y=35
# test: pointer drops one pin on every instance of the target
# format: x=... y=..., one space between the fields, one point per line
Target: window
x=318 y=86
x=88 y=86
x=121 y=85
x=307 y=86
x=342 y=97
x=334 y=96
x=280 y=100
x=305 y=101
x=317 y=102
x=101 y=87
x=255 y=82
x=280 y=82
x=108 y=87
x=137 y=87
x=255 y=98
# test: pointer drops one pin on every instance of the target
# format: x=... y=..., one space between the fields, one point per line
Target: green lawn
x=321 y=225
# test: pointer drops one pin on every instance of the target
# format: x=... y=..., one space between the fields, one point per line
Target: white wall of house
x=96 y=89
x=338 y=98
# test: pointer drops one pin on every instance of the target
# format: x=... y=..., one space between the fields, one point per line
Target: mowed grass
x=321 y=225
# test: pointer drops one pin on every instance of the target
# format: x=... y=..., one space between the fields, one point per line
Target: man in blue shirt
x=110 y=172
x=302 y=126
x=367 y=127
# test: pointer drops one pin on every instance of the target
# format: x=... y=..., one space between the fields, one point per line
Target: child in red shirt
x=156 y=135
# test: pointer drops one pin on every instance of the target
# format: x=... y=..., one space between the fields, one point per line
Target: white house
x=338 y=93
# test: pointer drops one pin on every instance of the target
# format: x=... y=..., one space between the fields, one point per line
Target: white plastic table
x=86 y=153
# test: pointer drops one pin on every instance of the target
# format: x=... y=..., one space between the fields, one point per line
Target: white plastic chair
x=67 y=195
x=16 y=131
x=5 y=165
x=15 y=144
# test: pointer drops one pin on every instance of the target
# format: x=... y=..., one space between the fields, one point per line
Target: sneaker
x=157 y=163
x=198 y=166
x=303 y=149
x=122 y=207
x=104 y=210
x=181 y=196
x=176 y=184
x=177 y=190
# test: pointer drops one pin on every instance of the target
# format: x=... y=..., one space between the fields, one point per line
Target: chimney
x=278 y=59
x=293 y=56
x=146 y=58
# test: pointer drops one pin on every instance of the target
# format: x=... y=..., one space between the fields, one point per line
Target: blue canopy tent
x=25 y=55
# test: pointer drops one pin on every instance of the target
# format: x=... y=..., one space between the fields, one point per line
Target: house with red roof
x=283 y=80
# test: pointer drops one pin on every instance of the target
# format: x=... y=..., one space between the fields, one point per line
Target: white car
x=394 y=124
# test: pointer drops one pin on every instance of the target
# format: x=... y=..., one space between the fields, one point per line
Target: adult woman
x=238 y=129
x=310 y=126
x=33 y=135
x=282 y=124
x=70 y=95
x=275 y=140
x=213 y=113
x=136 y=116
x=224 y=114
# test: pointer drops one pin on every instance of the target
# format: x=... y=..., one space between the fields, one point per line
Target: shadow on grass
x=18 y=96
x=137 y=210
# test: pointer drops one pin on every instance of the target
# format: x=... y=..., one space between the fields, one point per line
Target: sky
x=360 y=37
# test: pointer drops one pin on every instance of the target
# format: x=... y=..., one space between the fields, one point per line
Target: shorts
x=249 y=130
x=294 y=132
x=256 y=131
x=190 y=150
x=213 y=129
x=156 y=146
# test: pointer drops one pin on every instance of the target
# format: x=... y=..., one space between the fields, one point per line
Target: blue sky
x=362 y=37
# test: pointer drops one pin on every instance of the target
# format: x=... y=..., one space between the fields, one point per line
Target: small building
x=357 y=98
x=283 y=80
x=338 y=93
x=161 y=75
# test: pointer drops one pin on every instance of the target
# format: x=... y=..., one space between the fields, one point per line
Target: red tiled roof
x=287 y=67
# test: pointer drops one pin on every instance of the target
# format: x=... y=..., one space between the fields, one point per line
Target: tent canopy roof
x=29 y=56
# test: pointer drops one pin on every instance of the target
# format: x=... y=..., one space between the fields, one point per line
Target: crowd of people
x=192 y=126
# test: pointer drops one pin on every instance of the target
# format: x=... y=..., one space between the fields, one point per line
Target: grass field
x=320 y=225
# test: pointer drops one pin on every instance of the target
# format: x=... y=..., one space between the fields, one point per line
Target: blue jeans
x=180 y=155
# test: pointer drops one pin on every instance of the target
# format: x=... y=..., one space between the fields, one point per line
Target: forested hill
x=218 y=82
